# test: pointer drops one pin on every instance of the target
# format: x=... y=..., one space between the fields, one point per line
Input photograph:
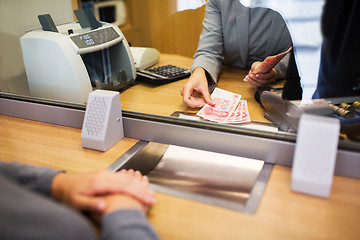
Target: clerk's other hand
x=260 y=79
x=197 y=84
x=87 y=191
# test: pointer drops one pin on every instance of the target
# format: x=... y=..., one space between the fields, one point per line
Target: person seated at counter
x=242 y=37
x=41 y=203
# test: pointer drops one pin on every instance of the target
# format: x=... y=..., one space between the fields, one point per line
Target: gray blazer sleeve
x=209 y=54
x=38 y=179
x=234 y=35
x=282 y=67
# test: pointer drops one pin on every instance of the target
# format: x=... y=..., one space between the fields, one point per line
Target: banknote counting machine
x=66 y=62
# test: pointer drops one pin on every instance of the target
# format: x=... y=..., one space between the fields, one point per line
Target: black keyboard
x=163 y=74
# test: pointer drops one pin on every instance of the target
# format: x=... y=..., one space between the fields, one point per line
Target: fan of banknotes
x=229 y=108
x=270 y=62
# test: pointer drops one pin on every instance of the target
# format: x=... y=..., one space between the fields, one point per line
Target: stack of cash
x=229 y=108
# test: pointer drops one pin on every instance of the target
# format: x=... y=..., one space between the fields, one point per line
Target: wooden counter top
x=282 y=214
x=166 y=99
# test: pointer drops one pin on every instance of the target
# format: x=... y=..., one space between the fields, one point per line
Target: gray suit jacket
x=28 y=212
x=238 y=36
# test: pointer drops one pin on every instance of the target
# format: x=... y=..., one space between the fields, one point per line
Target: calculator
x=163 y=74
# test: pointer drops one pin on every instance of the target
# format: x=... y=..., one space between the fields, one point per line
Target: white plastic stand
x=103 y=125
x=315 y=155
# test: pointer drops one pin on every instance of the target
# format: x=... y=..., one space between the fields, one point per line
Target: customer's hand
x=120 y=202
x=260 y=79
x=116 y=202
x=197 y=84
x=87 y=191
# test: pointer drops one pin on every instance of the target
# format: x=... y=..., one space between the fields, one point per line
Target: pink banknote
x=270 y=62
x=225 y=104
x=241 y=113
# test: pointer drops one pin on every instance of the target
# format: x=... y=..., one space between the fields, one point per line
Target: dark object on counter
x=259 y=91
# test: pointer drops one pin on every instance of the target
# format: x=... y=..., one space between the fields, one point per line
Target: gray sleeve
x=209 y=54
x=281 y=41
x=282 y=67
x=127 y=224
x=34 y=178
x=28 y=215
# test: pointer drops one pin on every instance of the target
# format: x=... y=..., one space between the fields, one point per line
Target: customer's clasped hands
x=103 y=191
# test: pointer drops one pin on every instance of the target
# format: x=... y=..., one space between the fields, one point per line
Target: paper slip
x=270 y=62
x=225 y=105
x=241 y=113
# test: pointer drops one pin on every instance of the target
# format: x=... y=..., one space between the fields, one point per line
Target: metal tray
x=222 y=180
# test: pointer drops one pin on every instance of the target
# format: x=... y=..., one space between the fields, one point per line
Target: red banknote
x=241 y=113
x=270 y=62
x=225 y=104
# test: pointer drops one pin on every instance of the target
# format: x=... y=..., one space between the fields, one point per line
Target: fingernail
x=100 y=205
x=151 y=200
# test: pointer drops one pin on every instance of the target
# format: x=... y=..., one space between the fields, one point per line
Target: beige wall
x=16 y=17
x=151 y=23
x=157 y=24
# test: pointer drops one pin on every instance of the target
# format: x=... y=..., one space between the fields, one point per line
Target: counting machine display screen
x=95 y=38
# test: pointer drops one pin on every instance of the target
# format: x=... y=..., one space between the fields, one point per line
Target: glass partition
x=172 y=27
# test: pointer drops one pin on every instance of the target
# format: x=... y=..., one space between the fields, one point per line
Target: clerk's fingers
x=255 y=83
x=190 y=98
x=259 y=80
x=195 y=102
x=207 y=98
x=182 y=91
x=267 y=77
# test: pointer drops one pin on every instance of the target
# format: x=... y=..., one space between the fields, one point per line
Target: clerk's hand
x=197 y=84
x=260 y=79
x=87 y=191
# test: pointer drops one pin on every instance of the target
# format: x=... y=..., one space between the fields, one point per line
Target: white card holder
x=315 y=155
x=103 y=126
